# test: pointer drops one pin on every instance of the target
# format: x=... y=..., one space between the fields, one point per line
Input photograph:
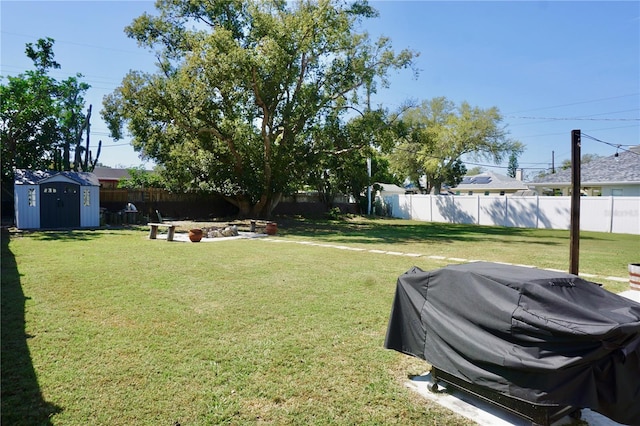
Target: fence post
x=611 y=218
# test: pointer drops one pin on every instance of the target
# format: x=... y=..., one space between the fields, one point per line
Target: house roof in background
x=391 y=188
x=107 y=173
x=35 y=177
x=625 y=168
x=488 y=181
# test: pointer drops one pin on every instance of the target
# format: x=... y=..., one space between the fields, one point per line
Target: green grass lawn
x=108 y=327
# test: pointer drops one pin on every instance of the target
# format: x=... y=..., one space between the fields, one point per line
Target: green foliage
x=475 y=171
x=29 y=125
x=513 y=165
x=334 y=213
x=438 y=133
x=340 y=153
x=234 y=103
x=40 y=118
x=586 y=158
x=139 y=178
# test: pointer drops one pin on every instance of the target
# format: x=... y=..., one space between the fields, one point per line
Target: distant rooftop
x=107 y=173
x=623 y=168
x=489 y=181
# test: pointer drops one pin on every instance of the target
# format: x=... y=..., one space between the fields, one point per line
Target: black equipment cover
x=540 y=336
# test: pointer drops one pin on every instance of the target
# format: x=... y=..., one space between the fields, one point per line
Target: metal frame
x=538 y=414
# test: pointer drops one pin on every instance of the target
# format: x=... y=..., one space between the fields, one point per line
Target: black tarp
x=541 y=336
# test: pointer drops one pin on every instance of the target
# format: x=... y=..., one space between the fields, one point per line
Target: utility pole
x=575 y=203
x=369 y=186
x=553 y=161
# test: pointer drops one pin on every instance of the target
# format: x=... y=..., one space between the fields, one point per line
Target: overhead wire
x=616 y=146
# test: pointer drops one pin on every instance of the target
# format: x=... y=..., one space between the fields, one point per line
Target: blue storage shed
x=54 y=200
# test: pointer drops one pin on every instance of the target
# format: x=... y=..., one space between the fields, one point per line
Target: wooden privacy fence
x=198 y=205
x=141 y=195
x=175 y=205
x=620 y=215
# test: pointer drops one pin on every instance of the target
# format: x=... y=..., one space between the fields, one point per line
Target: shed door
x=59 y=205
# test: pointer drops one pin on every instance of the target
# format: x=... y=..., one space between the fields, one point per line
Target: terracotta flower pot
x=634 y=276
x=195 y=235
x=271 y=228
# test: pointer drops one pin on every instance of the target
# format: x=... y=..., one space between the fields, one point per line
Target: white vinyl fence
x=620 y=215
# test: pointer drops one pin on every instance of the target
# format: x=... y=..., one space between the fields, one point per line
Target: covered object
x=538 y=336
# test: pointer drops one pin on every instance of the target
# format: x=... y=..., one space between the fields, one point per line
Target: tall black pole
x=574 y=253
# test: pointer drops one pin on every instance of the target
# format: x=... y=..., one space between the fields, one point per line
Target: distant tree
x=437 y=134
x=586 y=158
x=241 y=85
x=513 y=165
x=39 y=116
x=140 y=178
x=341 y=151
x=28 y=114
x=475 y=171
x=72 y=119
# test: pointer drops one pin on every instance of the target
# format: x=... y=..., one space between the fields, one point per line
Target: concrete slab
x=183 y=237
x=485 y=414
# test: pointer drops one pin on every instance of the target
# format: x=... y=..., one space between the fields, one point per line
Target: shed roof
x=625 y=168
x=35 y=177
x=489 y=181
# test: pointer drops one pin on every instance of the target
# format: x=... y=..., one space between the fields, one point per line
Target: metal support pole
x=369 y=186
x=574 y=253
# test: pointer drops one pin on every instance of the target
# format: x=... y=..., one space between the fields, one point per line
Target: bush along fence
x=619 y=215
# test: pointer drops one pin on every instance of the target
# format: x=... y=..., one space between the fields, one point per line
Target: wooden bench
x=153 y=232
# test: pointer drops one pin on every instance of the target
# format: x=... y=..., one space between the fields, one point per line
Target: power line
x=574 y=118
x=616 y=146
x=577 y=103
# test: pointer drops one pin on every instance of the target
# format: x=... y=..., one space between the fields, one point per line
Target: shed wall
x=89 y=206
x=27 y=217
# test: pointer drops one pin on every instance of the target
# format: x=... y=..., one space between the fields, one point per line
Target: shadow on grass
x=22 y=402
x=387 y=231
x=61 y=235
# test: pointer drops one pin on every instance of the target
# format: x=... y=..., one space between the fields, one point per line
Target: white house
x=617 y=175
x=54 y=200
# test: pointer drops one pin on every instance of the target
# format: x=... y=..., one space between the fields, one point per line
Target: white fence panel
x=421 y=207
x=554 y=212
x=626 y=215
x=521 y=212
x=451 y=209
x=595 y=214
x=599 y=214
x=492 y=211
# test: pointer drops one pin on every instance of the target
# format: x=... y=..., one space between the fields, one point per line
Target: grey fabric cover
x=540 y=336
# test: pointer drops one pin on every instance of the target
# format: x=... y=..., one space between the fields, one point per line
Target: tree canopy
x=41 y=119
x=437 y=134
x=240 y=87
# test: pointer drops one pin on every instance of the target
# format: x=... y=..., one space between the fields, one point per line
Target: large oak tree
x=240 y=85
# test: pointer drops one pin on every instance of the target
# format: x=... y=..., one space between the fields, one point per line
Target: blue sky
x=549 y=66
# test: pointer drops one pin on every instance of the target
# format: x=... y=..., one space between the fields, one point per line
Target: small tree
x=513 y=165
